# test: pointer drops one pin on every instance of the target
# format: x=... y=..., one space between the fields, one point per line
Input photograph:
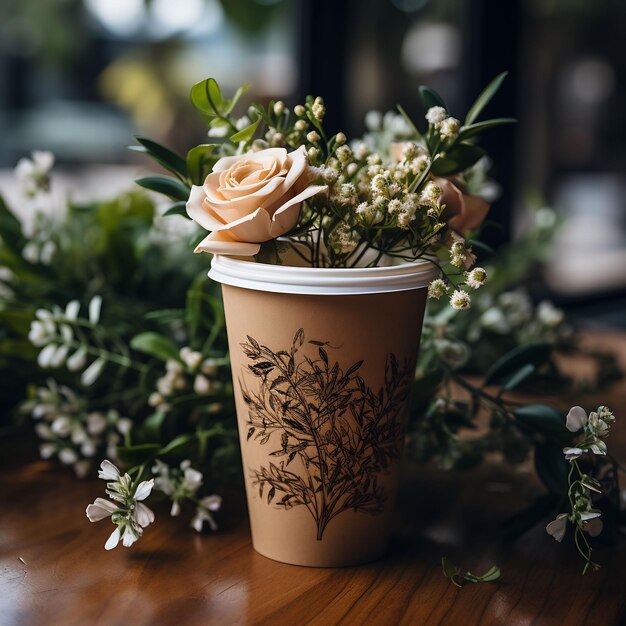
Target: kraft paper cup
x=323 y=361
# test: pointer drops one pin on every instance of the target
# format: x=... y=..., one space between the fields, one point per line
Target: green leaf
x=551 y=467
x=136 y=455
x=10 y=229
x=236 y=97
x=246 y=133
x=200 y=161
x=178 y=208
x=431 y=98
x=206 y=96
x=151 y=427
x=155 y=345
x=458 y=159
x=533 y=353
x=541 y=418
x=177 y=442
x=164 y=156
x=483 y=99
x=164 y=184
x=474 y=129
x=493 y=573
x=522 y=374
x=409 y=121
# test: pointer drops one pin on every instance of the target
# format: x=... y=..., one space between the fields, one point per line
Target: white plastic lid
x=249 y=274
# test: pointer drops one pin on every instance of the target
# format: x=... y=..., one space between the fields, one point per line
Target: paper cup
x=323 y=362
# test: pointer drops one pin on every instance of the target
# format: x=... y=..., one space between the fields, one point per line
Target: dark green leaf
x=155 y=345
x=164 y=156
x=168 y=186
x=246 y=133
x=431 y=98
x=551 y=467
x=474 y=129
x=136 y=455
x=10 y=229
x=533 y=353
x=409 y=121
x=521 y=522
x=178 y=208
x=522 y=374
x=177 y=442
x=483 y=99
x=542 y=418
x=458 y=159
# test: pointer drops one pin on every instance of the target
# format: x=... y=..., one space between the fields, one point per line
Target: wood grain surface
x=54 y=569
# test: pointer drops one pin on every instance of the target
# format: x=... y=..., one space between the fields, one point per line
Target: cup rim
x=248 y=274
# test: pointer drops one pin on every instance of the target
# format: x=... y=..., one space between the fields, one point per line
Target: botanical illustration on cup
x=332 y=434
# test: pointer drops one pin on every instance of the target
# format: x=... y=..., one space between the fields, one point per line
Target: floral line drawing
x=326 y=419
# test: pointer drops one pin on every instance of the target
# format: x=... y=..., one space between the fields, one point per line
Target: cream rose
x=249 y=199
x=463 y=211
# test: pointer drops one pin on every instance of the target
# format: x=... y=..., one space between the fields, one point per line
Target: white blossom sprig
x=584 y=517
x=125 y=508
x=78 y=343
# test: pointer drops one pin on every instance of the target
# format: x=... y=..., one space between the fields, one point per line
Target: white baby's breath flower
x=436 y=115
x=437 y=288
x=318 y=109
x=460 y=300
x=449 y=127
x=313 y=137
x=476 y=278
x=202 y=385
x=340 y=138
x=301 y=125
x=44 y=358
x=299 y=110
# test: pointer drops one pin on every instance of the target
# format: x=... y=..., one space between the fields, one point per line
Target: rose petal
x=221 y=242
x=286 y=217
x=196 y=211
x=226 y=162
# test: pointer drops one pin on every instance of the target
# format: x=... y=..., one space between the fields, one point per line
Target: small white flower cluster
x=459 y=298
x=53 y=332
x=126 y=509
x=593 y=428
x=439 y=119
x=343 y=239
x=34 y=173
x=513 y=312
x=192 y=371
x=181 y=484
x=70 y=432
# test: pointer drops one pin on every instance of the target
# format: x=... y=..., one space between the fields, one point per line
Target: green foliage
x=458 y=577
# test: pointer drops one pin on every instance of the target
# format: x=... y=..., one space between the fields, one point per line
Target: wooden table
x=54 y=570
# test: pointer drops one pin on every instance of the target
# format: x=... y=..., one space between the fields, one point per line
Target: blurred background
x=79 y=77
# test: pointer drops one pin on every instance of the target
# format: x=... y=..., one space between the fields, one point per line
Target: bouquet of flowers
x=277 y=183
